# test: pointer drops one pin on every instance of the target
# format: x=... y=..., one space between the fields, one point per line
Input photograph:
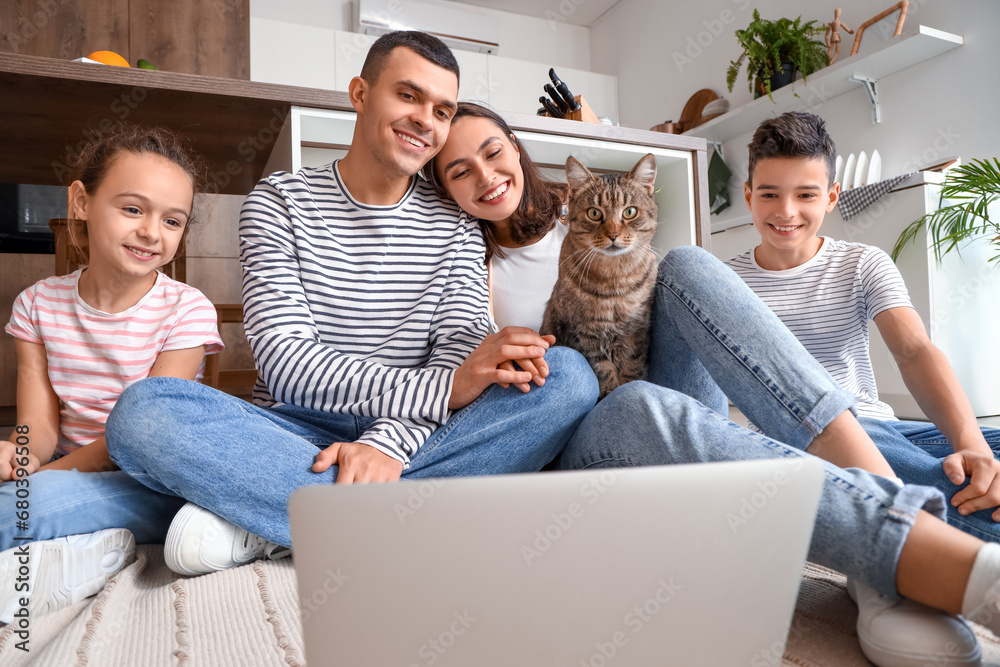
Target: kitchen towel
x=718 y=183
x=856 y=200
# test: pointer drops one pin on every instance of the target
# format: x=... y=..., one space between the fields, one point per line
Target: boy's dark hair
x=541 y=200
x=793 y=134
x=428 y=46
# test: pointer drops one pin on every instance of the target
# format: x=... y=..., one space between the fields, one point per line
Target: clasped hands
x=512 y=356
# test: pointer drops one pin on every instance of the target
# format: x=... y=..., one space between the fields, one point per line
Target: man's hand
x=359 y=463
x=10 y=461
x=983 y=491
x=490 y=363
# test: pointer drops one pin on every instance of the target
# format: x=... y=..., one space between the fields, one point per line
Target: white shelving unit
x=314 y=137
x=911 y=47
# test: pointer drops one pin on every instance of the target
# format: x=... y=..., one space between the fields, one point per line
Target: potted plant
x=776 y=50
x=974 y=187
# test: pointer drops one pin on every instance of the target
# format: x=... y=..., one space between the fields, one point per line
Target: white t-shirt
x=827 y=303
x=93 y=355
x=522 y=282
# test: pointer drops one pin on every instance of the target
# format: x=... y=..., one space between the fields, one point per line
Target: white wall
x=663 y=52
x=296 y=37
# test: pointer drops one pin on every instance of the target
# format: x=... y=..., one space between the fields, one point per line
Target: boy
x=825 y=292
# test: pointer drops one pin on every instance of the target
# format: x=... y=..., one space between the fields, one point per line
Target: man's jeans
x=243 y=462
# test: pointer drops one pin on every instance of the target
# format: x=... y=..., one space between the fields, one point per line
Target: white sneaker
x=52 y=574
x=904 y=633
x=199 y=542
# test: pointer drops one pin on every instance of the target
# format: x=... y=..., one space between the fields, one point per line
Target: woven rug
x=248 y=617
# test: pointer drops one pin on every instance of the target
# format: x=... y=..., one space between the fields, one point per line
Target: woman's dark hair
x=91 y=164
x=541 y=200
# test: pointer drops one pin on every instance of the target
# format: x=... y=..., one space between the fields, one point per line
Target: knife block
x=584 y=113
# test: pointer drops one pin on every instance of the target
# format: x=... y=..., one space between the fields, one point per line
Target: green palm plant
x=766 y=44
x=974 y=187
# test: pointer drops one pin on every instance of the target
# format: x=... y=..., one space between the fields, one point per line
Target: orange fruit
x=108 y=58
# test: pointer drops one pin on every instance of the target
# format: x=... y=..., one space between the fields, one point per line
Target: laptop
x=628 y=567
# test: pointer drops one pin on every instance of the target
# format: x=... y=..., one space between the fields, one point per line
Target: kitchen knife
x=556 y=97
x=564 y=91
x=551 y=108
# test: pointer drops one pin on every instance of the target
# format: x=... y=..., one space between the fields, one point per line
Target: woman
x=710 y=334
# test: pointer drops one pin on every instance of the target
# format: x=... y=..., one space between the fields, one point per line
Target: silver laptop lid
x=686 y=565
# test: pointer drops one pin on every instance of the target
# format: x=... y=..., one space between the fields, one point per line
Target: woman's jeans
x=712 y=338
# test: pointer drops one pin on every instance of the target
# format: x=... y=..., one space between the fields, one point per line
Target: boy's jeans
x=711 y=335
x=916 y=452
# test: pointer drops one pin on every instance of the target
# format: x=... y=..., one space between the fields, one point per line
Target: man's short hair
x=793 y=134
x=428 y=46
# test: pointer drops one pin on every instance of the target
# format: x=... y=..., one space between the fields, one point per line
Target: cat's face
x=612 y=213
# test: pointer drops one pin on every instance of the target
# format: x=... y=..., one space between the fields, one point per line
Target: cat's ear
x=644 y=172
x=576 y=174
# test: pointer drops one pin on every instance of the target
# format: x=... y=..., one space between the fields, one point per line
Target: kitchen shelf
x=909 y=48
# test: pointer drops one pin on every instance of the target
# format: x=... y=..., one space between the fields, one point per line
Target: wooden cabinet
x=211 y=38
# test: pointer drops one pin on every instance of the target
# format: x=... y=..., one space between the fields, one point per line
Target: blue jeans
x=916 y=452
x=711 y=338
x=862 y=521
x=243 y=462
x=69 y=502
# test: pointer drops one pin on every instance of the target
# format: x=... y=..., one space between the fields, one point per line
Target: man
x=366 y=307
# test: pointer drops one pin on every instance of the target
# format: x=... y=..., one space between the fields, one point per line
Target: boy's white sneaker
x=904 y=633
x=52 y=574
x=199 y=542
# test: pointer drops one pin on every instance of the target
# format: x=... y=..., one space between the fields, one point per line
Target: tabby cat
x=601 y=303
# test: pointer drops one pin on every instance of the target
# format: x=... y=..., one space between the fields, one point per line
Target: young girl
x=81 y=339
x=709 y=332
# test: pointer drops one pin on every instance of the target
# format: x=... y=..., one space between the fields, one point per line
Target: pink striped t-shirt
x=93 y=356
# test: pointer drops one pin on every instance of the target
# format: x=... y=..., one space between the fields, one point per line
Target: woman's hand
x=493 y=363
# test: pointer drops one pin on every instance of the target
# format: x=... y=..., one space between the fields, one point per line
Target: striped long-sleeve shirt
x=360 y=309
x=827 y=303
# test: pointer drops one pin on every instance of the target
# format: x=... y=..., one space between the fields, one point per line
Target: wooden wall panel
x=66 y=29
x=17 y=272
x=210 y=37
